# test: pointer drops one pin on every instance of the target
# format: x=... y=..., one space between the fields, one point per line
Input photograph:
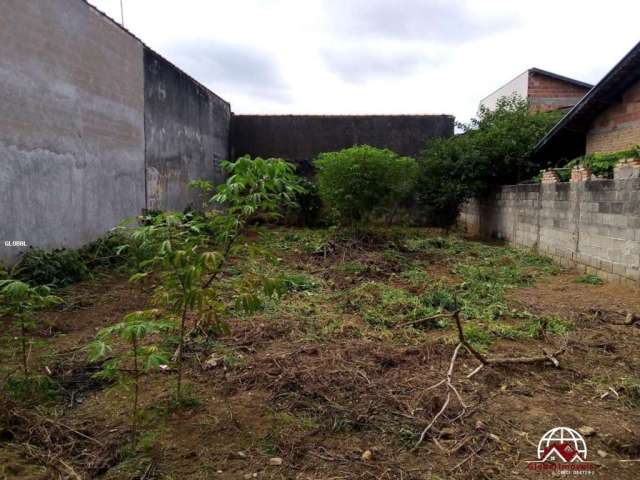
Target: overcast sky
x=378 y=56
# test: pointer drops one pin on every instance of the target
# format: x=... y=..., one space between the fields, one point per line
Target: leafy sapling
x=189 y=252
x=20 y=301
x=134 y=328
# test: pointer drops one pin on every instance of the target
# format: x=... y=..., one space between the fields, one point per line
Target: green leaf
x=97 y=350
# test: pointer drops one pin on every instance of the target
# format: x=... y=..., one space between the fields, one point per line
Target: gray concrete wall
x=71 y=124
x=300 y=138
x=187 y=134
x=592 y=225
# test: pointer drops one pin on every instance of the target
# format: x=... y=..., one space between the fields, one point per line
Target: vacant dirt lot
x=335 y=377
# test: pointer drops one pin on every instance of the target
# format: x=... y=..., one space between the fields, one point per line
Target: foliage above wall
x=493 y=149
x=601 y=164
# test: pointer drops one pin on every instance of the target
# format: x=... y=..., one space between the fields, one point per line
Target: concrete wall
x=71 y=124
x=594 y=225
x=618 y=127
x=187 y=134
x=518 y=86
x=300 y=138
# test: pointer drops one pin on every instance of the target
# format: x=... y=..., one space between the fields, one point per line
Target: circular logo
x=562 y=444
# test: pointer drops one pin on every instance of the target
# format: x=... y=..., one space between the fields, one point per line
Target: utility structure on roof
x=544 y=90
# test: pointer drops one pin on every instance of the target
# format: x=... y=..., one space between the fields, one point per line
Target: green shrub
x=56 y=268
x=494 y=149
x=108 y=251
x=440 y=298
x=589 y=279
x=358 y=181
x=20 y=302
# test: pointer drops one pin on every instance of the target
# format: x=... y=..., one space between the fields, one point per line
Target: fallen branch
x=630 y=317
x=484 y=361
x=450 y=388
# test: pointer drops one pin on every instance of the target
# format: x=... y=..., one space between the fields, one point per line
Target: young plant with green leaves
x=139 y=358
x=189 y=252
x=20 y=301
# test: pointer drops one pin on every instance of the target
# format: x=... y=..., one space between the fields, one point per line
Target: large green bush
x=359 y=181
x=494 y=149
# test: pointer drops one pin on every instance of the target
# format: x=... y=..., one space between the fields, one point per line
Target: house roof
x=561 y=450
x=562 y=78
x=546 y=73
x=567 y=138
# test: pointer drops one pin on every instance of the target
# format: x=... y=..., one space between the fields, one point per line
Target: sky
x=378 y=56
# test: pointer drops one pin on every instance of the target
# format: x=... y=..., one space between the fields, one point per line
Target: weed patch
x=589 y=279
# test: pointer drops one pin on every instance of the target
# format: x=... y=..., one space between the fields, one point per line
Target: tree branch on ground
x=484 y=361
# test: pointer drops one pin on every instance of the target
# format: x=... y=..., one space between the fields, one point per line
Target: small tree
x=189 y=252
x=493 y=149
x=358 y=181
x=20 y=301
x=134 y=328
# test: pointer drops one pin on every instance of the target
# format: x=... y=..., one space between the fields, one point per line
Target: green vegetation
x=359 y=181
x=412 y=302
x=300 y=332
x=589 y=279
x=20 y=302
x=133 y=330
x=188 y=253
x=494 y=149
x=61 y=267
x=601 y=164
x=56 y=268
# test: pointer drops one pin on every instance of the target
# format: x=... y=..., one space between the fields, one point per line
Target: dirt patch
x=561 y=295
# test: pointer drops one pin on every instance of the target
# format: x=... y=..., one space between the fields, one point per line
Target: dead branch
x=630 y=317
x=484 y=361
x=450 y=388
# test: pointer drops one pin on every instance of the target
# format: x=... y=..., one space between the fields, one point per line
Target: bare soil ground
x=334 y=377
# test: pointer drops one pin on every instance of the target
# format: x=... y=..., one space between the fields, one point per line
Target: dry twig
x=484 y=361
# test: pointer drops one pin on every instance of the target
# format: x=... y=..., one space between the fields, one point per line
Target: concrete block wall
x=592 y=225
x=94 y=127
x=71 y=124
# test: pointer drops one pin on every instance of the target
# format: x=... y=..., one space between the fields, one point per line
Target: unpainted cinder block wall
x=71 y=124
x=593 y=225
